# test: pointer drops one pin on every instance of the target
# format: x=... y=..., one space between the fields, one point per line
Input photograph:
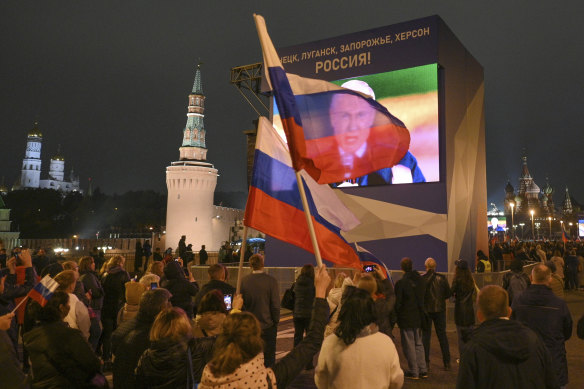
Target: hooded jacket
x=114 y=291
x=181 y=289
x=60 y=356
x=304 y=292
x=505 y=354
x=547 y=315
x=164 y=365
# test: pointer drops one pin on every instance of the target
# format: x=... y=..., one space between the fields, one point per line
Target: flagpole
x=241 y=258
x=309 y=220
x=20 y=303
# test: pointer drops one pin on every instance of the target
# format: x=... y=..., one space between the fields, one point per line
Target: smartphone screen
x=153 y=285
x=369 y=268
x=227 y=299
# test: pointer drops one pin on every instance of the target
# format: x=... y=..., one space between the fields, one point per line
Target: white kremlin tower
x=31 y=164
x=191 y=185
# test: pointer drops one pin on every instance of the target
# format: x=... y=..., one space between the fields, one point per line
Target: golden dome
x=35 y=131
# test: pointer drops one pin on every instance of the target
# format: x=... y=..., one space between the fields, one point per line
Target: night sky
x=109 y=81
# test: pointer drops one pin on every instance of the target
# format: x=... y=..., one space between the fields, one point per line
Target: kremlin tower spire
x=193 y=144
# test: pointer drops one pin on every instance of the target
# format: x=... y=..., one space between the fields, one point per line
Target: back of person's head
x=239 y=343
x=212 y=301
x=152 y=302
x=156 y=267
x=256 y=262
x=368 y=283
x=70 y=265
x=66 y=279
x=173 y=270
x=541 y=274
x=516 y=265
x=430 y=264
x=493 y=302
x=171 y=323
x=557 y=253
x=552 y=266
x=357 y=311
x=55 y=309
x=116 y=260
x=216 y=272
x=406 y=264
x=307 y=270
x=148 y=279
x=85 y=264
x=339 y=279
x=134 y=291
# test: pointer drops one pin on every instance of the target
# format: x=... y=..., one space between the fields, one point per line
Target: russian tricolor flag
x=43 y=291
x=274 y=205
x=333 y=133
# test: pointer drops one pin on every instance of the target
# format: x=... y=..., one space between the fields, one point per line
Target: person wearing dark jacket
x=11 y=375
x=547 y=315
x=515 y=281
x=182 y=290
x=166 y=363
x=464 y=292
x=437 y=291
x=60 y=356
x=10 y=289
x=409 y=306
x=243 y=333
x=138 y=254
x=131 y=339
x=218 y=280
x=503 y=353
x=114 y=288
x=303 y=302
x=93 y=287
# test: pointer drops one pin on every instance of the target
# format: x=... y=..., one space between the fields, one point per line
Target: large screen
x=581 y=228
x=411 y=95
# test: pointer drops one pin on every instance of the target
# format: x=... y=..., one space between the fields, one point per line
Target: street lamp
x=570 y=230
x=512 y=205
x=532 y=226
x=521 y=225
x=550 y=220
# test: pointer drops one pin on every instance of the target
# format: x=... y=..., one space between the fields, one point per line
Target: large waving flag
x=275 y=208
x=43 y=291
x=333 y=133
x=564 y=235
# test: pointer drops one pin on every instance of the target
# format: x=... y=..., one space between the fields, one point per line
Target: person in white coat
x=358 y=355
x=78 y=316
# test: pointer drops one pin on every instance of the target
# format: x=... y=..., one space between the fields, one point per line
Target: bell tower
x=31 y=164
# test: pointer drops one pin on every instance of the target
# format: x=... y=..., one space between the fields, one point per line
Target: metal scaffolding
x=248 y=80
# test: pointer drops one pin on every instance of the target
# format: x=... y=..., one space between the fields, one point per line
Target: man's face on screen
x=351 y=118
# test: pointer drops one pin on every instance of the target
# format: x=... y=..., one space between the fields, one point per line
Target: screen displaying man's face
x=351 y=118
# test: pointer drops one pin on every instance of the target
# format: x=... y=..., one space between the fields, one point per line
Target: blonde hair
x=85 y=263
x=239 y=343
x=148 y=279
x=171 y=323
x=70 y=265
x=116 y=260
x=65 y=279
x=339 y=279
x=156 y=267
x=368 y=283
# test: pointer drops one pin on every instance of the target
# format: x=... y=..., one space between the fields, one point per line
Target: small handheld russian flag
x=43 y=291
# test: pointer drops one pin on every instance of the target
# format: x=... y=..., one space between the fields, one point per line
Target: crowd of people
x=158 y=328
